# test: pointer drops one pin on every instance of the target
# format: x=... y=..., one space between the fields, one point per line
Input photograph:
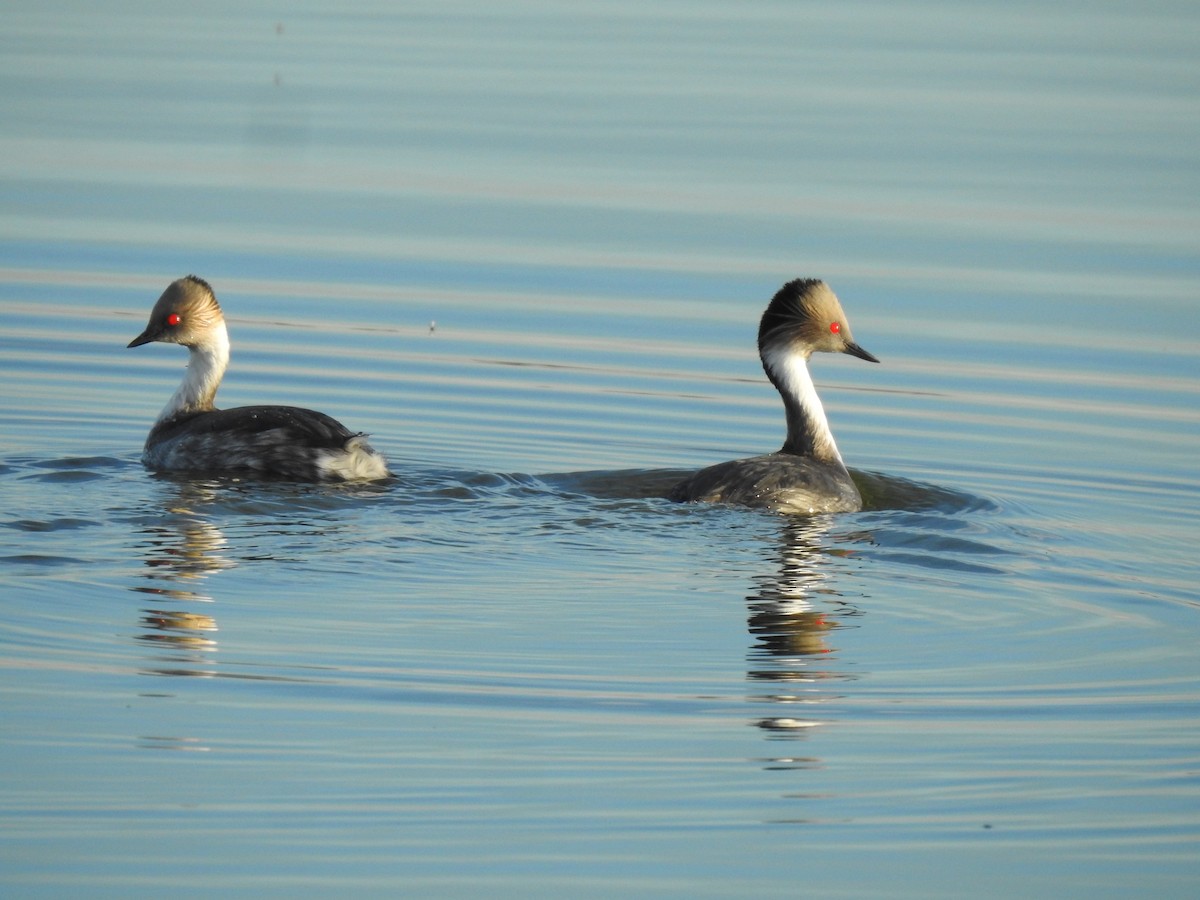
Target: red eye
x=173 y=319
x=835 y=327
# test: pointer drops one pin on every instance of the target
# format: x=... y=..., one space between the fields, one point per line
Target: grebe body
x=807 y=475
x=192 y=435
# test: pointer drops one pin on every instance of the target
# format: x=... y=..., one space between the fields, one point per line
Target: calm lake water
x=526 y=248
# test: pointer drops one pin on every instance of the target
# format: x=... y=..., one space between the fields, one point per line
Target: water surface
x=526 y=250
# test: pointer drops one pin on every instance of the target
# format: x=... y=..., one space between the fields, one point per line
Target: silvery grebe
x=192 y=435
x=807 y=475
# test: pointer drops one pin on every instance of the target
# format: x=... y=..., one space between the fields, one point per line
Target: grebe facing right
x=192 y=435
x=807 y=475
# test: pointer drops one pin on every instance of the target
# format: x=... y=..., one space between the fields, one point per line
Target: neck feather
x=808 y=431
x=207 y=362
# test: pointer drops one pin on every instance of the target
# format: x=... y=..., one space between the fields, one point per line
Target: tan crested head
x=804 y=317
x=187 y=313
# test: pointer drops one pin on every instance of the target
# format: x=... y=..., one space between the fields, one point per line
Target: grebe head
x=803 y=317
x=187 y=313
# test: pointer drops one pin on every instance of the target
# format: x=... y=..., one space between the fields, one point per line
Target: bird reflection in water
x=792 y=615
x=181 y=551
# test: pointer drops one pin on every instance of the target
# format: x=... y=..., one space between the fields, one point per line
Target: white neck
x=207 y=362
x=808 y=429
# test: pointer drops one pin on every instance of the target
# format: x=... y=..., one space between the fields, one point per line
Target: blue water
x=526 y=249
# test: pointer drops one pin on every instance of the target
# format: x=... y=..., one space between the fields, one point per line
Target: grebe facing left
x=807 y=475
x=192 y=435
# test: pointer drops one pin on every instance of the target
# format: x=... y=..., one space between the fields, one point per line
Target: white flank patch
x=358 y=462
